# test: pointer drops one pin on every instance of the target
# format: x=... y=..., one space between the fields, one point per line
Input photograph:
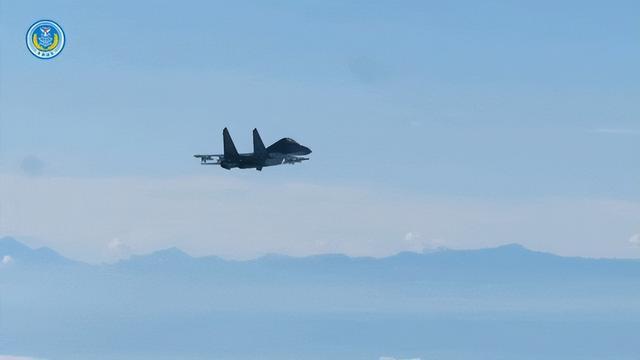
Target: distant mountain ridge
x=170 y=305
x=510 y=262
x=20 y=251
x=15 y=250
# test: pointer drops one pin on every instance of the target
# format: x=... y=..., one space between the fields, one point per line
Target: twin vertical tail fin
x=230 y=151
x=258 y=145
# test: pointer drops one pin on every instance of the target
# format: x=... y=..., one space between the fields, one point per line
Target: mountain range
x=503 y=302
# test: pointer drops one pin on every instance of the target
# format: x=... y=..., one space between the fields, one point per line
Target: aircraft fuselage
x=283 y=151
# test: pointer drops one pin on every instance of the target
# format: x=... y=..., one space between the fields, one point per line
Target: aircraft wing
x=209 y=159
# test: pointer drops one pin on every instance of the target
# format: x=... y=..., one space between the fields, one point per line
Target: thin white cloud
x=117 y=249
x=414 y=242
x=6 y=260
x=228 y=216
x=409 y=236
x=635 y=240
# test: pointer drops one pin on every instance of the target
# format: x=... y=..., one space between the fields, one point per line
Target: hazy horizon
x=130 y=253
x=499 y=303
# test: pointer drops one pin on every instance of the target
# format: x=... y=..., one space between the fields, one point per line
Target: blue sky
x=471 y=107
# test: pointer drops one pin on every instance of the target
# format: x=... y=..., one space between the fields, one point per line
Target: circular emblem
x=45 y=39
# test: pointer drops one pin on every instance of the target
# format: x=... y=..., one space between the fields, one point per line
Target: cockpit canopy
x=285 y=141
x=288 y=146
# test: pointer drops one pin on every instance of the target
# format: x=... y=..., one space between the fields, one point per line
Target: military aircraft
x=283 y=151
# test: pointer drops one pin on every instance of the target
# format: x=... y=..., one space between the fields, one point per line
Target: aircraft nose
x=306 y=150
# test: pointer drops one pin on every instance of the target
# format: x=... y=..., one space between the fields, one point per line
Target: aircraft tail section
x=258 y=145
x=230 y=151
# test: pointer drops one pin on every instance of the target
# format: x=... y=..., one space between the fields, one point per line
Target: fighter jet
x=283 y=151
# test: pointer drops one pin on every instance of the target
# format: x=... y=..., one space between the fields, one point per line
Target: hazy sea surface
x=502 y=303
